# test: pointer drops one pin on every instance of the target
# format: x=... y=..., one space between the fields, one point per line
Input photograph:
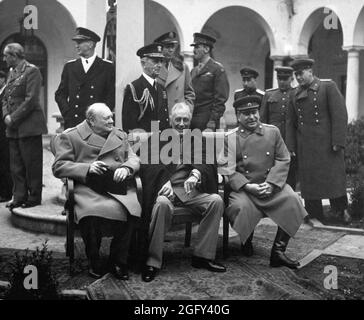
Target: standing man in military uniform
x=316 y=132
x=274 y=110
x=145 y=100
x=257 y=168
x=210 y=83
x=85 y=81
x=249 y=78
x=25 y=123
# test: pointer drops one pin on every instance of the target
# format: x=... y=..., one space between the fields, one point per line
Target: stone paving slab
x=347 y=246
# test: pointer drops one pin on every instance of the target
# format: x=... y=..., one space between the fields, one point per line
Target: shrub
x=47 y=283
x=357 y=197
x=354 y=150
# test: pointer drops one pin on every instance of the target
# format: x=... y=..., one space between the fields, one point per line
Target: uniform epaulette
x=73 y=60
x=69 y=130
x=260 y=91
x=325 y=79
x=271 y=89
x=108 y=61
x=269 y=125
x=239 y=90
x=231 y=131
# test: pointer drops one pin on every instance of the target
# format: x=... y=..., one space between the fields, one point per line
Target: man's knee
x=162 y=202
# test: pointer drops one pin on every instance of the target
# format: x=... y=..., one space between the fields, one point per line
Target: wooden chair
x=181 y=215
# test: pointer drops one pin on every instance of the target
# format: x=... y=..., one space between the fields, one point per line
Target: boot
x=247 y=248
x=277 y=257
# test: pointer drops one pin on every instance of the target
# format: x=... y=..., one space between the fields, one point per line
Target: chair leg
x=188 y=234
x=70 y=242
x=225 y=236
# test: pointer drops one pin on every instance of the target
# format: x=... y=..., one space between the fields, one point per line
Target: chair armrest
x=139 y=188
x=70 y=191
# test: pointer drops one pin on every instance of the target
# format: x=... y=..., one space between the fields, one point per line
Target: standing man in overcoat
x=257 y=167
x=316 y=132
x=25 y=123
x=274 y=110
x=84 y=81
x=98 y=157
x=211 y=85
x=145 y=100
x=175 y=75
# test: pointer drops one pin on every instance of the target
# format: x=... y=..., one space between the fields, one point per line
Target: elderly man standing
x=85 y=81
x=210 y=83
x=186 y=182
x=100 y=160
x=25 y=123
x=316 y=132
x=257 y=168
x=175 y=75
x=145 y=100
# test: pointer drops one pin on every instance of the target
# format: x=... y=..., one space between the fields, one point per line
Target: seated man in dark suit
x=184 y=182
x=100 y=160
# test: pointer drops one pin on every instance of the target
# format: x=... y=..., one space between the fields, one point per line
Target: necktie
x=86 y=61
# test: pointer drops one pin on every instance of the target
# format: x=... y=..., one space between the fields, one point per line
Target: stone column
x=129 y=38
x=352 y=82
x=278 y=62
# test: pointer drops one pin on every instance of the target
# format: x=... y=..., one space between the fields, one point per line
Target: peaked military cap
x=247 y=103
x=284 y=72
x=201 y=38
x=83 y=34
x=153 y=50
x=249 y=73
x=166 y=38
x=301 y=64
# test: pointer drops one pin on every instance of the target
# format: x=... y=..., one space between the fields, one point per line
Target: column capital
x=277 y=57
x=353 y=48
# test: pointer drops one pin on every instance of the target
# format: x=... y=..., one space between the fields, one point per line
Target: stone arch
x=236 y=48
x=358 y=30
x=159 y=20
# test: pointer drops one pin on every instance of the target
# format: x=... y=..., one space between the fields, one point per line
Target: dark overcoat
x=317 y=121
x=144 y=105
x=21 y=102
x=211 y=87
x=78 y=90
x=76 y=149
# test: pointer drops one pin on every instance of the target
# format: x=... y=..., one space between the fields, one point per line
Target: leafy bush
x=354 y=150
x=357 y=197
x=47 y=284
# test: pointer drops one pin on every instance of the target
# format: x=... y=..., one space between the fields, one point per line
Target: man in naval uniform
x=145 y=100
x=249 y=78
x=274 y=111
x=84 y=81
x=257 y=169
x=210 y=83
x=316 y=132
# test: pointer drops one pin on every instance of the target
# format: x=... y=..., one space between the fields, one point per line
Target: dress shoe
x=30 y=204
x=5 y=199
x=14 y=204
x=120 y=272
x=94 y=273
x=202 y=263
x=247 y=249
x=149 y=273
x=94 y=268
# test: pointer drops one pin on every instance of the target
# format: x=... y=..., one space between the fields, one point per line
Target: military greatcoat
x=317 y=120
x=257 y=157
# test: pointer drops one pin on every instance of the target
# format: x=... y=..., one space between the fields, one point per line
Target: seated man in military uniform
x=257 y=167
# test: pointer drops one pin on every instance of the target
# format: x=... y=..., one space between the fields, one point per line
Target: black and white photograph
x=182 y=156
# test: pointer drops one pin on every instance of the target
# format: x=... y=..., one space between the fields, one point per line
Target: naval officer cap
x=201 y=38
x=167 y=38
x=302 y=64
x=247 y=103
x=83 y=34
x=248 y=72
x=153 y=50
x=284 y=72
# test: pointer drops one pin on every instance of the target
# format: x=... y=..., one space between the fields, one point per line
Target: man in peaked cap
x=145 y=100
x=316 y=132
x=249 y=78
x=210 y=83
x=257 y=168
x=175 y=75
x=274 y=110
x=84 y=81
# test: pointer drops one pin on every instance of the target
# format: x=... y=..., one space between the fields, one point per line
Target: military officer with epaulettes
x=249 y=78
x=85 y=81
x=274 y=110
